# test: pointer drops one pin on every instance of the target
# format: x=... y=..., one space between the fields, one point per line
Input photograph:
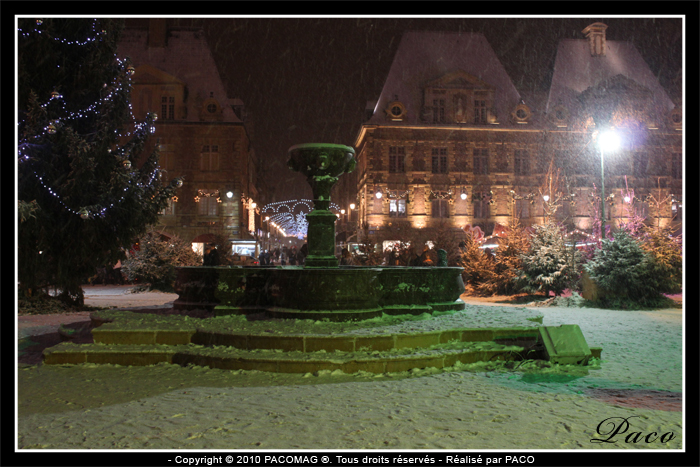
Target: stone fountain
x=321 y=289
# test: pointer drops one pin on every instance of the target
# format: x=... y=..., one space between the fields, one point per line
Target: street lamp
x=607 y=141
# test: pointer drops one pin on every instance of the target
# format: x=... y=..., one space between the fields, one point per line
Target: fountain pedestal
x=321 y=240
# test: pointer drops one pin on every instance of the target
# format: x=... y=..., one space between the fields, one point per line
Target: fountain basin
x=337 y=294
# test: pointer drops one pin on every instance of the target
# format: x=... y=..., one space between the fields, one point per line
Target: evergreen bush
x=478 y=267
x=156 y=259
x=666 y=264
x=635 y=272
x=501 y=277
x=549 y=265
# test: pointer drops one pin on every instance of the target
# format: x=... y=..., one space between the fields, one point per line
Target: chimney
x=157 y=32
x=595 y=33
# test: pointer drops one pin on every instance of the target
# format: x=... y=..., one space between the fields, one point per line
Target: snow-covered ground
x=478 y=407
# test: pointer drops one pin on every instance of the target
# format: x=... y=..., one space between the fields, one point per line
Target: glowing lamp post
x=607 y=141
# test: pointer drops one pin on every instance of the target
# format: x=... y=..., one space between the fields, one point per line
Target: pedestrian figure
x=387 y=256
x=211 y=256
x=206 y=255
x=303 y=253
x=346 y=258
x=394 y=258
x=425 y=259
x=117 y=273
x=442 y=258
x=409 y=257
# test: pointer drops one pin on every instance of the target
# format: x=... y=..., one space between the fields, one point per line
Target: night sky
x=308 y=79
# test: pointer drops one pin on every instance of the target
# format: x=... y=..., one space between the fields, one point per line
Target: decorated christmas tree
x=83 y=198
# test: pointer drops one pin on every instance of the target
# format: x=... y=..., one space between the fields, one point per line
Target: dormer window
x=458 y=97
x=560 y=116
x=210 y=110
x=676 y=118
x=480 y=107
x=522 y=114
x=395 y=111
x=438 y=110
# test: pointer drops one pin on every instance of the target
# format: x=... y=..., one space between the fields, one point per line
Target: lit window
x=397 y=208
x=207 y=204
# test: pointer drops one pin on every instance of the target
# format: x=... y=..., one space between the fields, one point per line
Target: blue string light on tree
x=58 y=115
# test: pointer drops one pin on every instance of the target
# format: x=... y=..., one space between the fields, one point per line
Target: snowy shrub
x=502 y=276
x=666 y=266
x=155 y=261
x=630 y=274
x=548 y=265
x=478 y=267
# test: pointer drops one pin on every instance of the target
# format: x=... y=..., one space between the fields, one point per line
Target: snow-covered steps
x=310 y=342
x=386 y=344
x=229 y=358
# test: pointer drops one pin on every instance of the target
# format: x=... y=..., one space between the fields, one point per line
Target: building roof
x=576 y=70
x=186 y=57
x=424 y=56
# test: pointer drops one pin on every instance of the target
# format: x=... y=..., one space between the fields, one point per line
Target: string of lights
x=117 y=87
x=290 y=215
x=38 y=30
x=62 y=117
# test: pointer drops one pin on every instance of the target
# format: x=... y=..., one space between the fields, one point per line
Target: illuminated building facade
x=202 y=134
x=451 y=141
